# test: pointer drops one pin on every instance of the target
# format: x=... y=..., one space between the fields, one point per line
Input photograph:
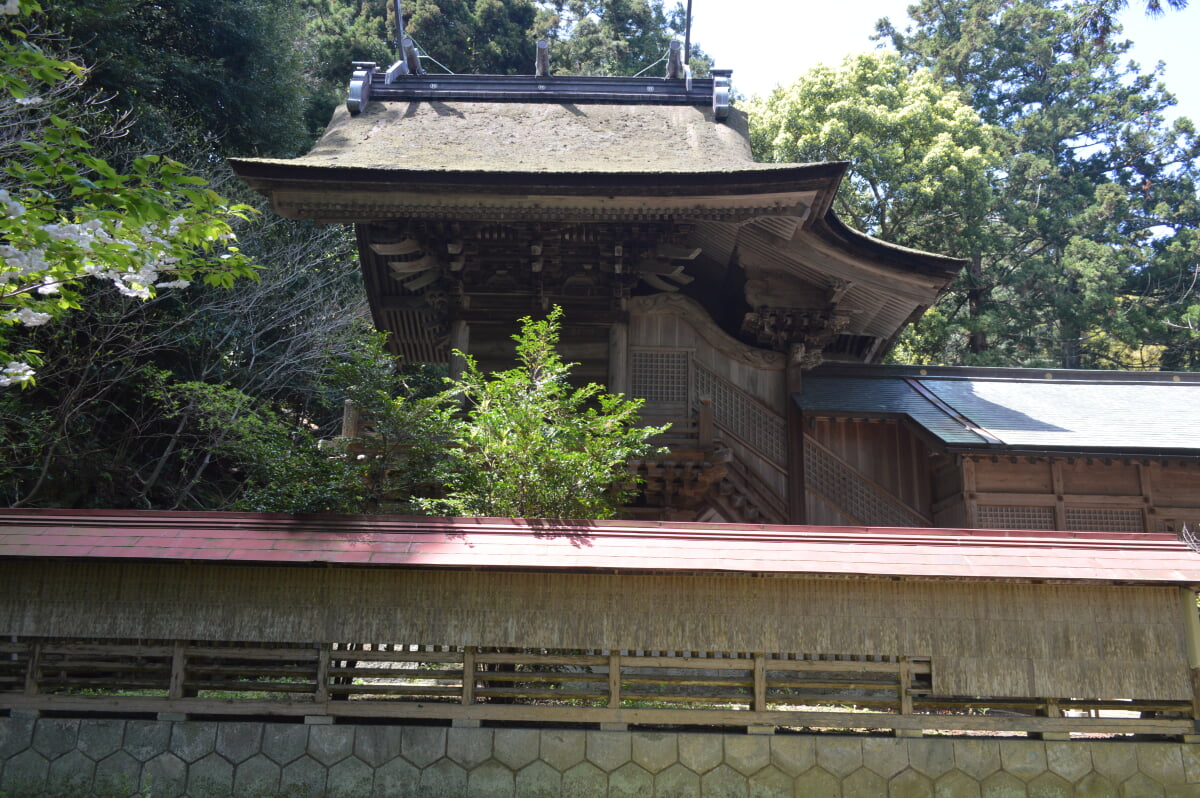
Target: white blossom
x=15 y=373
x=12 y=208
x=174 y=284
x=29 y=317
x=29 y=101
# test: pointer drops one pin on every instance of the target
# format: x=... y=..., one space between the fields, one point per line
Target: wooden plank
x=575 y=714
x=760 y=683
x=1060 y=509
x=905 y=679
x=32 y=667
x=541 y=659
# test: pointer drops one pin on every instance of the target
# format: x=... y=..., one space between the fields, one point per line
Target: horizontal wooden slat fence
x=596 y=686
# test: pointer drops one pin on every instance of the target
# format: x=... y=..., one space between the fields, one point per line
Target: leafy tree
x=532 y=446
x=1092 y=230
x=70 y=217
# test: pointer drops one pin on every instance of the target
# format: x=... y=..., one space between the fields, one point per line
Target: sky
x=771 y=42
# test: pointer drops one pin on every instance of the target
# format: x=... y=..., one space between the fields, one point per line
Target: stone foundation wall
x=50 y=756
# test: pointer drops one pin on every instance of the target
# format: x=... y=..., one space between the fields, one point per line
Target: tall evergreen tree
x=1095 y=215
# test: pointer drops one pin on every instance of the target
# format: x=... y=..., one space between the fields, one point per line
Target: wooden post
x=34 y=665
x=350 y=419
x=1060 y=509
x=323 y=657
x=178 y=671
x=541 y=65
x=460 y=340
x=704 y=423
x=797 y=500
x=903 y=684
x=468 y=688
x=614 y=679
x=1191 y=636
x=760 y=682
x=969 y=501
x=1053 y=710
x=618 y=358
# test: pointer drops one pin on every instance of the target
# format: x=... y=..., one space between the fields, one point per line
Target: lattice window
x=752 y=423
x=1104 y=519
x=1001 y=517
x=660 y=376
x=850 y=493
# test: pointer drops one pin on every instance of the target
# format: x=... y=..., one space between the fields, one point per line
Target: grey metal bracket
x=370 y=84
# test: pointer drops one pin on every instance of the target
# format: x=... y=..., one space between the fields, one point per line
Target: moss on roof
x=533 y=137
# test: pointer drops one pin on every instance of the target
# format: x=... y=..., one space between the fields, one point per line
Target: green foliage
x=533 y=446
x=920 y=156
x=70 y=217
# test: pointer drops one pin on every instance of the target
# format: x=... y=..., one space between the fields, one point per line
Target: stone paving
x=52 y=756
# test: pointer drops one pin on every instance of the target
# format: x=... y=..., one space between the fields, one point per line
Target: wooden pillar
x=324 y=656
x=1191 y=636
x=618 y=358
x=460 y=339
x=468 y=684
x=904 y=684
x=797 y=501
x=614 y=680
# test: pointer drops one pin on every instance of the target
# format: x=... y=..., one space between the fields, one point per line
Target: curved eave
x=349 y=194
x=832 y=229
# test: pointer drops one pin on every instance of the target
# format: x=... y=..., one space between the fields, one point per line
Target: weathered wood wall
x=985 y=639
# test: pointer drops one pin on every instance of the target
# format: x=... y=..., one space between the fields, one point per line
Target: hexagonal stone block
x=841 y=756
x=771 y=782
x=563 y=749
x=724 y=781
x=1093 y=785
x=515 y=748
x=977 y=758
x=1116 y=760
x=212 y=775
x=676 y=782
x=1025 y=759
x=749 y=754
x=792 y=753
x=910 y=784
x=397 y=777
x=99 y=738
x=330 y=744
x=701 y=753
x=818 y=783
x=1139 y=785
x=1191 y=762
x=377 y=745
x=885 y=756
x=538 y=780
x=237 y=742
x=955 y=784
x=863 y=783
x=146 y=739
x=117 y=773
x=16 y=734
x=444 y=778
x=164 y=775
x=1070 y=760
x=655 y=751
x=1162 y=762
x=932 y=757
x=630 y=781
x=24 y=772
x=304 y=776
x=491 y=780
x=191 y=741
x=350 y=778
x=71 y=773
x=53 y=737
x=284 y=743
x=609 y=750
x=1050 y=785
x=423 y=745
x=469 y=747
x=1002 y=784
x=585 y=780
x=256 y=777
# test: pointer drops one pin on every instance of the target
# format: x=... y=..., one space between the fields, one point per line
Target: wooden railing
x=597 y=686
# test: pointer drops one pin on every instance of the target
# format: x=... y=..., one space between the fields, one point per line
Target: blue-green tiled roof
x=1020 y=408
